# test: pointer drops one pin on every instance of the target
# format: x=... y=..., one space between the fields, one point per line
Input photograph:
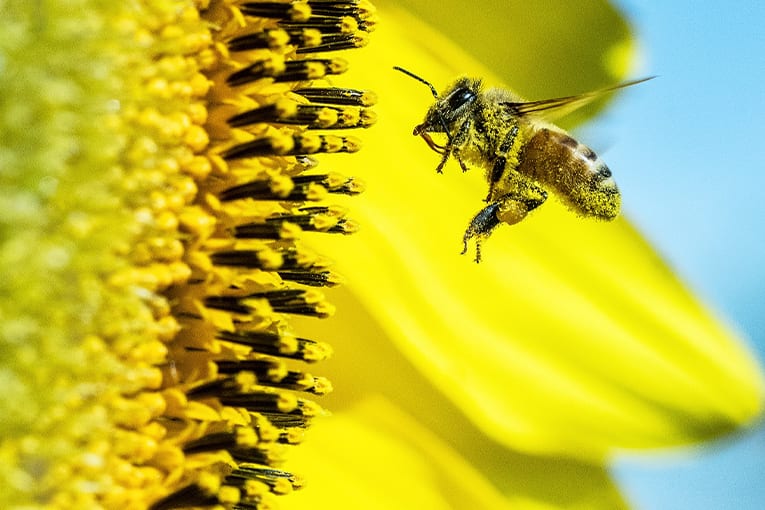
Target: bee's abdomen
x=573 y=171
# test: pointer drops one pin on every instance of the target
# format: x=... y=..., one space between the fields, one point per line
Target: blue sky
x=690 y=161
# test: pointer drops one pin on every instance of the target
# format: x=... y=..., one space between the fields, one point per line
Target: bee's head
x=448 y=107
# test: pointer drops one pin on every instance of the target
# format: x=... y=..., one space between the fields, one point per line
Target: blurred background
x=691 y=162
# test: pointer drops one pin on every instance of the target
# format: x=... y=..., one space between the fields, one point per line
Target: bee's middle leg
x=510 y=208
x=497 y=171
x=498 y=168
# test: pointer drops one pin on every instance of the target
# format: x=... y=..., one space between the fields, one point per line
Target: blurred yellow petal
x=404 y=465
x=367 y=365
x=547 y=49
x=571 y=337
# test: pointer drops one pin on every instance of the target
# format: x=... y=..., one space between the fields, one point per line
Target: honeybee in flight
x=524 y=156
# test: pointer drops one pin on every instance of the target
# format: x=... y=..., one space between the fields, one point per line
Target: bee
x=523 y=155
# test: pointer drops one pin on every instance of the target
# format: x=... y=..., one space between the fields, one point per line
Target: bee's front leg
x=510 y=208
x=456 y=140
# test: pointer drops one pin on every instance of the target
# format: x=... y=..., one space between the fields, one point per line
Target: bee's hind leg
x=481 y=227
x=510 y=208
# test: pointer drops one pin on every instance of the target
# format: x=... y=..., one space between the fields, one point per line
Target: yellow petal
x=545 y=48
x=571 y=337
x=375 y=456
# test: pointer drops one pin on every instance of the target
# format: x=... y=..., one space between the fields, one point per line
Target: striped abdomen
x=573 y=171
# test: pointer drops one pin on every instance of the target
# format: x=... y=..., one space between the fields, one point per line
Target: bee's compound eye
x=604 y=171
x=460 y=98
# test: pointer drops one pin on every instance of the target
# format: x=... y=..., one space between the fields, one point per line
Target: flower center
x=235 y=385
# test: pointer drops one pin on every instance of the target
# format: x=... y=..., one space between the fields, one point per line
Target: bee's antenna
x=435 y=94
x=421 y=80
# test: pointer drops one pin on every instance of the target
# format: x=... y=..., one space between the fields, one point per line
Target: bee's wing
x=560 y=106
